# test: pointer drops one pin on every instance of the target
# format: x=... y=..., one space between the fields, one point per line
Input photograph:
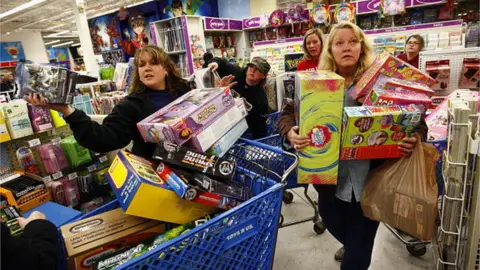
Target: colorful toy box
x=186 y=116
x=88 y=239
x=16 y=118
x=319 y=98
x=209 y=135
x=389 y=66
x=390 y=83
x=375 y=132
x=41 y=118
x=383 y=97
x=141 y=192
x=221 y=147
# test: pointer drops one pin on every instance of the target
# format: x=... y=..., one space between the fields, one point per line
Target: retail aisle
x=299 y=248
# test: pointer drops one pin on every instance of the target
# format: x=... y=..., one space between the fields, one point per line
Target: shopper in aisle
x=156 y=83
x=36 y=248
x=250 y=83
x=312 y=48
x=349 y=54
x=207 y=57
x=415 y=44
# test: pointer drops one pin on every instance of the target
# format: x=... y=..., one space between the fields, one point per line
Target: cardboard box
x=221 y=147
x=141 y=192
x=186 y=116
x=189 y=159
x=390 y=83
x=16 y=118
x=90 y=238
x=389 y=66
x=211 y=134
x=383 y=97
x=319 y=99
x=4 y=135
x=24 y=190
x=374 y=132
x=40 y=117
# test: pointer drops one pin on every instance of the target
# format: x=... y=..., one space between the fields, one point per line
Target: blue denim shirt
x=352 y=174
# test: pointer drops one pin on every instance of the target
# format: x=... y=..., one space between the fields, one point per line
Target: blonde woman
x=348 y=53
x=312 y=48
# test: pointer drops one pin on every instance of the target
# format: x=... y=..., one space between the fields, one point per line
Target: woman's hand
x=298 y=142
x=39 y=101
x=226 y=81
x=34 y=216
x=407 y=146
x=213 y=66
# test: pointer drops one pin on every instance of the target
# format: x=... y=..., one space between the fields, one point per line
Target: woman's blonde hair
x=366 y=56
x=314 y=31
x=173 y=80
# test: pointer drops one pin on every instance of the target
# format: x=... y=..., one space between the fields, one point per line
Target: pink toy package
x=41 y=118
x=390 y=83
x=186 y=116
x=71 y=191
x=389 y=66
x=56 y=190
x=53 y=157
x=385 y=97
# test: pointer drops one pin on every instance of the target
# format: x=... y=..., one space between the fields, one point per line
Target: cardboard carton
x=16 y=118
x=187 y=116
x=319 y=98
x=141 y=192
x=90 y=238
x=221 y=147
x=384 y=97
x=389 y=66
x=375 y=132
x=390 y=83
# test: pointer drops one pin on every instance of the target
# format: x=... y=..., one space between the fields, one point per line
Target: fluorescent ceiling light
x=62 y=44
x=52 y=42
x=21 y=8
x=76 y=44
x=57 y=34
x=55 y=26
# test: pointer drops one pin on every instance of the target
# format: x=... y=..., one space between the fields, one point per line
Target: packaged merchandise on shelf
x=53 y=157
x=76 y=154
x=4 y=135
x=41 y=118
x=57 y=191
x=315 y=90
x=55 y=84
x=189 y=159
x=186 y=116
x=24 y=191
x=104 y=103
x=440 y=72
x=120 y=75
x=70 y=191
x=87 y=239
x=216 y=130
x=27 y=161
x=111 y=260
x=271 y=93
x=221 y=147
x=17 y=120
x=383 y=97
x=83 y=103
x=389 y=66
x=375 y=132
x=135 y=183
x=9 y=215
x=85 y=181
x=470 y=74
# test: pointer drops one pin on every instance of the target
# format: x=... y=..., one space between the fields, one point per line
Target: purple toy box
x=186 y=116
x=41 y=118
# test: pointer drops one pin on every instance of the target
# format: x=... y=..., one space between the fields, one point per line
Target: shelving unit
x=228 y=27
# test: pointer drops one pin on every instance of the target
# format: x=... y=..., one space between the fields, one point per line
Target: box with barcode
x=375 y=132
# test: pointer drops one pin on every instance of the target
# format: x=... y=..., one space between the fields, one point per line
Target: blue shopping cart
x=243 y=237
x=287 y=197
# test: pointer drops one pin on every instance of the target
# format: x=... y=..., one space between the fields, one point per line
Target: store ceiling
x=54 y=16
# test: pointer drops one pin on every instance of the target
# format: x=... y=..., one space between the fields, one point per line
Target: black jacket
x=119 y=128
x=36 y=248
x=255 y=95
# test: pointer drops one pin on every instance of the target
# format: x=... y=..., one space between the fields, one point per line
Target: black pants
x=345 y=221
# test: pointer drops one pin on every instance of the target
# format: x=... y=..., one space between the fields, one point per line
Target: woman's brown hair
x=173 y=80
x=314 y=31
x=419 y=39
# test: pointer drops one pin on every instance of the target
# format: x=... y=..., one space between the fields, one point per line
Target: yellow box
x=319 y=97
x=141 y=192
x=4 y=135
x=58 y=120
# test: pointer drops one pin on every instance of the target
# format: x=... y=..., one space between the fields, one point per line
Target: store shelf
x=415 y=28
x=177 y=52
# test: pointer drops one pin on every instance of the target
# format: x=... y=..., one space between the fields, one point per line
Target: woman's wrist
x=67 y=110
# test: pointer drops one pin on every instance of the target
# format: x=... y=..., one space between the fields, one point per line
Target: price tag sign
x=91 y=168
x=72 y=176
x=47 y=179
x=57 y=175
x=103 y=159
x=34 y=142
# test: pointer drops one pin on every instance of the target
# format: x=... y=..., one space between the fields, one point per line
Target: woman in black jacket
x=156 y=83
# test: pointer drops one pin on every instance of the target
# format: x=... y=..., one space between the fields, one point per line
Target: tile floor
x=299 y=247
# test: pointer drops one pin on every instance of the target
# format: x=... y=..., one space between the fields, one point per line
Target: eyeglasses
x=413 y=43
x=341 y=44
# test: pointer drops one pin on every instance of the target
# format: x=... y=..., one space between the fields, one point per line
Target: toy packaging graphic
x=390 y=83
x=319 y=98
x=440 y=72
x=389 y=66
x=374 y=132
x=382 y=97
x=470 y=76
x=17 y=120
x=135 y=183
x=24 y=191
x=41 y=118
x=208 y=136
x=87 y=239
x=53 y=157
x=189 y=159
x=186 y=116
x=221 y=147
